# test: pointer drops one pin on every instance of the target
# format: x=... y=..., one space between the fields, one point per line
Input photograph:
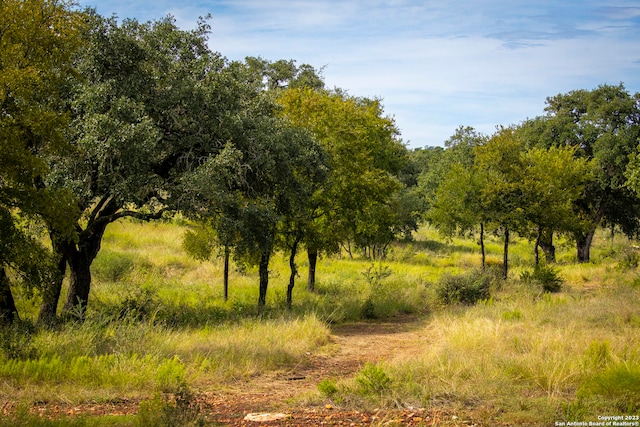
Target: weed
x=468 y=288
x=16 y=341
x=630 y=259
x=327 y=387
x=619 y=384
x=375 y=275
x=171 y=375
x=545 y=276
x=372 y=380
x=165 y=410
x=112 y=266
x=598 y=355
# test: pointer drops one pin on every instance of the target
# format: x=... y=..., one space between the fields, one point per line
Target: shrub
x=630 y=259
x=468 y=288
x=16 y=341
x=166 y=411
x=545 y=276
x=327 y=387
x=372 y=380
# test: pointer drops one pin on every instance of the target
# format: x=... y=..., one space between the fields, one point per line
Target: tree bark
x=79 y=259
x=264 y=279
x=226 y=273
x=8 y=310
x=292 y=276
x=482 y=249
x=51 y=295
x=312 y=254
x=505 y=258
x=546 y=244
x=583 y=244
x=536 y=254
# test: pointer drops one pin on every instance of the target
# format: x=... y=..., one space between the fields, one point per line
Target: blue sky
x=435 y=64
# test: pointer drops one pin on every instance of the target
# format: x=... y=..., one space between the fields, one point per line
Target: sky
x=435 y=64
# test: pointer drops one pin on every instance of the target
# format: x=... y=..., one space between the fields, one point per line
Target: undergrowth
x=556 y=343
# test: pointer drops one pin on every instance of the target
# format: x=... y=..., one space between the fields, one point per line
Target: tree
x=553 y=180
x=502 y=195
x=452 y=187
x=257 y=194
x=364 y=155
x=153 y=104
x=604 y=126
x=37 y=41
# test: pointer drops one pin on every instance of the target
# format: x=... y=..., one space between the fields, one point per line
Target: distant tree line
x=102 y=120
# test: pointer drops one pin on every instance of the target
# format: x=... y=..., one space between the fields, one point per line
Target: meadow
x=496 y=351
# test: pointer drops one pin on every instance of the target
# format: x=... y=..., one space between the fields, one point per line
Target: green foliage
x=16 y=341
x=199 y=243
x=468 y=288
x=113 y=266
x=171 y=376
x=373 y=380
x=327 y=387
x=619 y=384
x=545 y=276
x=630 y=259
x=598 y=356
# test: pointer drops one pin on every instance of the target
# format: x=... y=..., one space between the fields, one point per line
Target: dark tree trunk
x=51 y=295
x=536 y=254
x=482 y=250
x=292 y=276
x=79 y=287
x=8 y=310
x=79 y=259
x=264 y=279
x=583 y=244
x=313 y=261
x=226 y=273
x=505 y=258
x=546 y=244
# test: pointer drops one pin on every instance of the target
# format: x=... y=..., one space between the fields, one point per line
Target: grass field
x=157 y=324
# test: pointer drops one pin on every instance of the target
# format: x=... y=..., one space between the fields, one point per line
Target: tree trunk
x=226 y=274
x=505 y=258
x=536 y=254
x=313 y=261
x=79 y=287
x=294 y=271
x=583 y=244
x=51 y=295
x=264 y=279
x=8 y=310
x=546 y=244
x=482 y=250
x=79 y=259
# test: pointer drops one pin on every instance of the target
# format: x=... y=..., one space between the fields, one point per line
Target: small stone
x=265 y=417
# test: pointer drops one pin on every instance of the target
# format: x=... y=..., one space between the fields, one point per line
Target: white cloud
x=436 y=64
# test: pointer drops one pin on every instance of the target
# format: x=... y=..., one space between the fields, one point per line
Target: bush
x=16 y=341
x=545 y=276
x=468 y=288
x=327 y=387
x=166 y=411
x=372 y=380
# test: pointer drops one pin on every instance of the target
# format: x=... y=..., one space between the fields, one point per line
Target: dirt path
x=352 y=346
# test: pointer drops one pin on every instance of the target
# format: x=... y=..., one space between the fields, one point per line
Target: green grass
x=157 y=323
